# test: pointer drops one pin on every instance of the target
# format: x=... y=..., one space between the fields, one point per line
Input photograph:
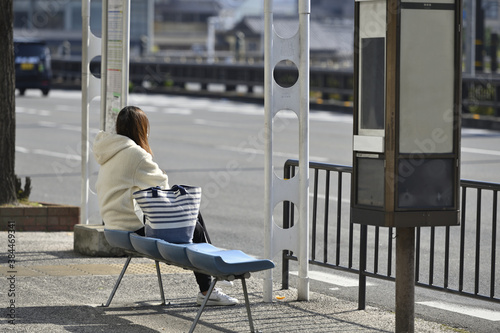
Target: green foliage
x=477 y=93
x=23 y=194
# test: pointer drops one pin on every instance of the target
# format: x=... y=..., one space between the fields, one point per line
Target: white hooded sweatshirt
x=125 y=168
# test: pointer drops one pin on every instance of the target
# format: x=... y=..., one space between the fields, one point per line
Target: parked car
x=32 y=62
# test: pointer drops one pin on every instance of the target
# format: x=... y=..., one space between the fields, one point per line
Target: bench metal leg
x=160 y=283
x=247 y=304
x=198 y=315
x=118 y=282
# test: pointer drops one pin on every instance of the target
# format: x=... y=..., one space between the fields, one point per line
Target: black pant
x=200 y=235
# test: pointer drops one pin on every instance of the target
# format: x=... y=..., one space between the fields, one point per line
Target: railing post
x=362 y=267
x=493 y=243
x=285 y=269
x=462 y=241
x=478 y=242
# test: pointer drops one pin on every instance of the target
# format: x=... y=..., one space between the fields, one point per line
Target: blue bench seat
x=200 y=257
x=119 y=238
x=145 y=245
x=174 y=253
x=225 y=262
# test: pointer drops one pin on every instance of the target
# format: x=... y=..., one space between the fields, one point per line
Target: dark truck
x=32 y=61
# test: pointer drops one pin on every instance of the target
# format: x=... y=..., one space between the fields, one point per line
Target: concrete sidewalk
x=57 y=290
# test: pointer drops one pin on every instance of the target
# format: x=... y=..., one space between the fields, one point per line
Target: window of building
x=47 y=18
x=20 y=20
x=491 y=10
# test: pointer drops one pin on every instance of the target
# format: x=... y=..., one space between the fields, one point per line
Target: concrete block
x=90 y=240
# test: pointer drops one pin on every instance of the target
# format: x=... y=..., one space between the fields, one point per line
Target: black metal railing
x=460 y=259
x=322 y=248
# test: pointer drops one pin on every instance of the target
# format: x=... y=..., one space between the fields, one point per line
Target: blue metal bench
x=199 y=257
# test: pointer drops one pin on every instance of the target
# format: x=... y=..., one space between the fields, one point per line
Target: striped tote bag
x=170 y=214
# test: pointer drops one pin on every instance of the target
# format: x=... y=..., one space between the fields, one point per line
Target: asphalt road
x=218 y=145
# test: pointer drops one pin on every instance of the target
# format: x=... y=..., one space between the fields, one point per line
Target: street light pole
x=470 y=38
x=479 y=36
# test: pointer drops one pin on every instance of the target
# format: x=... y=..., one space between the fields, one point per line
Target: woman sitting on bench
x=127 y=166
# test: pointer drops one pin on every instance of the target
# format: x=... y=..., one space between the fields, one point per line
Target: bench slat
x=226 y=262
x=119 y=238
x=145 y=245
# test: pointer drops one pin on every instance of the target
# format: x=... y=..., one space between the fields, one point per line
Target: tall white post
x=268 y=158
x=295 y=98
x=85 y=111
x=93 y=87
x=104 y=63
x=90 y=89
x=126 y=53
x=304 y=14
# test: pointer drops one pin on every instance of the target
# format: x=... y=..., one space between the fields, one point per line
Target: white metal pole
x=126 y=52
x=104 y=64
x=85 y=112
x=211 y=22
x=268 y=163
x=151 y=30
x=303 y=286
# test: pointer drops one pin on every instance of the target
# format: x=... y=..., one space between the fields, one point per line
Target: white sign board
x=116 y=66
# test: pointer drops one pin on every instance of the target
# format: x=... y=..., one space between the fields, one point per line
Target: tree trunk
x=8 y=106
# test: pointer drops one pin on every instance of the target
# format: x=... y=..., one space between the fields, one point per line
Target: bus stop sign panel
x=406 y=113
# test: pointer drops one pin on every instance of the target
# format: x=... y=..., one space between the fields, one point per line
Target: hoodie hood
x=107 y=145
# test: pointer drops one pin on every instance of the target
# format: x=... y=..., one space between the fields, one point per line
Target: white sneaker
x=225 y=283
x=217 y=298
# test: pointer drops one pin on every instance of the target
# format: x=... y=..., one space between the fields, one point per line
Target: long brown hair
x=132 y=122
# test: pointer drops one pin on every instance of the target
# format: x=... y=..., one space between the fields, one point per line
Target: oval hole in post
x=95 y=67
x=287 y=24
x=286 y=73
x=285 y=214
x=286 y=140
x=95 y=19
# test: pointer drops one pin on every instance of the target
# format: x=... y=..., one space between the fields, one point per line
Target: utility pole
x=470 y=37
x=479 y=38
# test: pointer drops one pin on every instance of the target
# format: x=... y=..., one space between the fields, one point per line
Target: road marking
x=67 y=108
x=465 y=310
x=48 y=153
x=332 y=279
x=204 y=122
x=480 y=151
x=73 y=128
x=330 y=117
x=181 y=111
x=262 y=152
x=22 y=150
x=56 y=154
x=45 y=113
x=49 y=124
